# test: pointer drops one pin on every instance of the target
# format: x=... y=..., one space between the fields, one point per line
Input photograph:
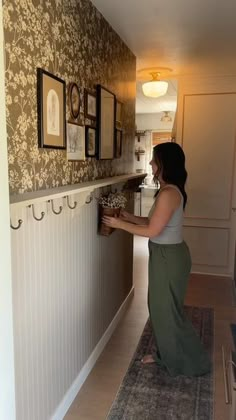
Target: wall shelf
x=26 y=199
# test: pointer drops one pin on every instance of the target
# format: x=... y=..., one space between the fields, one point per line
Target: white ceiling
x=189 y=36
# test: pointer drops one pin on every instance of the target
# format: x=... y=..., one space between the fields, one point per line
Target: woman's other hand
x=113 y=222
x=127 y=217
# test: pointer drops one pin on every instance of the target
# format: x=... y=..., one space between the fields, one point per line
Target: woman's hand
x=113 y=222
x=127 y=217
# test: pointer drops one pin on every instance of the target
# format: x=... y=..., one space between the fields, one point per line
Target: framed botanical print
x=90 y=104
x=51 y=110
x=118 y=143
x=75 y=141
x=74 y=100
x=90 y=141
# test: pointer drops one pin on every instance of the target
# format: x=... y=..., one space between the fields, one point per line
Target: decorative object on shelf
x=119 y=107
x=90 y=141
x=75 y=141
x=51 y=110
x=74 y=100
x=106 y=123
x=155 y=87
x=166 y=117
x=139 y=134
x=118 y=143
x=90 y=104
x=139 y=152
x=110 y=204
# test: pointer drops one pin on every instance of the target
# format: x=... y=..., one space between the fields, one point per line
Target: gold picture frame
x=74 y=99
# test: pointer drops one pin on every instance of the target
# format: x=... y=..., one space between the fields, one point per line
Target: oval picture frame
x=74 y=100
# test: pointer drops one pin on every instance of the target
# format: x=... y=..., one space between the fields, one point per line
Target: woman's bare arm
x=131 y=218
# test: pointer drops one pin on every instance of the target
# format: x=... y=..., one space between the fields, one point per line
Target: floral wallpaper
x=73 y=41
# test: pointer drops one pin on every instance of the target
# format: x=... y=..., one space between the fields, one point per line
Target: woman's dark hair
x=170 y=160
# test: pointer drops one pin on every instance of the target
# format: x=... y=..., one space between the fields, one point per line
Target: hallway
x=99 y=390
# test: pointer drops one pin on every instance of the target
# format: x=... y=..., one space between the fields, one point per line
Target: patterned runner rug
x=149 y=393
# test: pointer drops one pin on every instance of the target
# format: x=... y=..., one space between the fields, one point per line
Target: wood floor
x=99 y=390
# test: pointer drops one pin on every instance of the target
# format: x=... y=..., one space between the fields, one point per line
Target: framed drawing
x=90 y=141
x=75 y=141
x=51 y=110
x=74 y=100
x=90 y=104
x=118 y=112
x=118 y=143
x=106 y=123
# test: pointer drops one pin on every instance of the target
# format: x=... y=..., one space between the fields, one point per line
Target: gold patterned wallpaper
x=72 y=40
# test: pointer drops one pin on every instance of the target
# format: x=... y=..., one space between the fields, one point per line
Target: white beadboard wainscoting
x=69 y=284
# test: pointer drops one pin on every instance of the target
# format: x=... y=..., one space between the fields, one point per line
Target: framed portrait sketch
x=90 y=104
x=51 y=97
x=75 y=141
x=118 y=143
x=106 y=123
x=90 y=141
x=74 y=100
x=118 y=112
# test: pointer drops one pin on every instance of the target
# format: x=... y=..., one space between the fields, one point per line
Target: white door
x=208 y=139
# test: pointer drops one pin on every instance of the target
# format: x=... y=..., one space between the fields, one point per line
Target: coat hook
x=18 y=226
x=68 y=203
x=35 y=217
x=90 y=199
x=54 y=211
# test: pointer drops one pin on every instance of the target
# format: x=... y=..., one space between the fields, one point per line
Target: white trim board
x=83 y=374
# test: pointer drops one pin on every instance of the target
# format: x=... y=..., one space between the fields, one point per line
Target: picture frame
x=90 y=104
x=51 y=102
x=74 y=99
x=118 y=142
x=90 y=141
x=119 y=106
x=75 y=141
x=105 y=123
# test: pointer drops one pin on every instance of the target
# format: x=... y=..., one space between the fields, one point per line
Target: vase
x=107 y=211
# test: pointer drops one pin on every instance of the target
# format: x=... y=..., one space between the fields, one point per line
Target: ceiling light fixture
x=155 y=87
x=166 y=117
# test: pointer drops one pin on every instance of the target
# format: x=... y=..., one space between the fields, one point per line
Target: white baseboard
x=211 y=274
x=83 y=374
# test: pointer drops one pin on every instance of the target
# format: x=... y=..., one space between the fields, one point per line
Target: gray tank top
x=173 y=231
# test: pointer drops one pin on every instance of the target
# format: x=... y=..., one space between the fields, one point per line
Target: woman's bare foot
x=148 y=359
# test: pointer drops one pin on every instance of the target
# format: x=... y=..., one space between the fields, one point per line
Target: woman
x=179 y=347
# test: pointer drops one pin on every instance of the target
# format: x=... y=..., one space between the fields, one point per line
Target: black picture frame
x=118 y=142
x=51 y=104
x=119 y=110
x=105 y=123
x=90 y=141
x=74 y=100
x=90 y=104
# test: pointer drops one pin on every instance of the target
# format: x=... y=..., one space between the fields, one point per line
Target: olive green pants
x=179 y=347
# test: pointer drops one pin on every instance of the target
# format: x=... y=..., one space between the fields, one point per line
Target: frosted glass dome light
x=155 y=88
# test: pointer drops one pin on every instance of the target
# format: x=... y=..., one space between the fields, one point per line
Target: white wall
x=206 y=129
x=153 y=122
x=7 y=385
